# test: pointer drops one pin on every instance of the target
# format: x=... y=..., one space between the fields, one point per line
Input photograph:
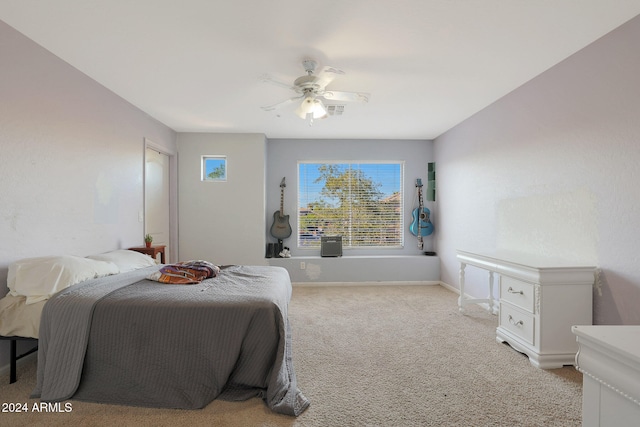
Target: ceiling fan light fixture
x=319 y=110
x=313 y=106
x=311 y=87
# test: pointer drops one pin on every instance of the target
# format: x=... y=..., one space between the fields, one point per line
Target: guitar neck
x=281 y=201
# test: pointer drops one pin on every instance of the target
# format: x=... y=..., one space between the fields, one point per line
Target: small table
x=152 y=251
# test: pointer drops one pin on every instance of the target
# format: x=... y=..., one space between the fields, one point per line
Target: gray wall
x=283 y=156
x=227 y=223
x=222 y=222
x=71 y=160
x=551 y=169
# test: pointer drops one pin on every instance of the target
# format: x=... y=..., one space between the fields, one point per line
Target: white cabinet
x=609 y=358
x=539 y=301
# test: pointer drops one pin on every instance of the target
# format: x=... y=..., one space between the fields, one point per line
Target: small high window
x=214 y=168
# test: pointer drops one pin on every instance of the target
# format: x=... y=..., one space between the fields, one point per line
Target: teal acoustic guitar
x=421 y=225
x=281 y=229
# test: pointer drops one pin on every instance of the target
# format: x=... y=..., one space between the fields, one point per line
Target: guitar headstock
x=418 y=182
x=282 y=184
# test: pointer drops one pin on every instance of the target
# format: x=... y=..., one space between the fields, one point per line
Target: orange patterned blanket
x=185 y=273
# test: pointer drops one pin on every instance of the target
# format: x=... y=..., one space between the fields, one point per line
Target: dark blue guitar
x=421 y=224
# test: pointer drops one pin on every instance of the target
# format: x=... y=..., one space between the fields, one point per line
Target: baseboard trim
x=457 y=291
x=408 y=283
x=451 y=288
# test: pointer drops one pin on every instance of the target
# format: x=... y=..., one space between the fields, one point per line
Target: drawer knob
x=511 y=291
x=514 y=323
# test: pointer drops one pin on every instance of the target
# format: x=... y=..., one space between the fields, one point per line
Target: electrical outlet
x=302 y=265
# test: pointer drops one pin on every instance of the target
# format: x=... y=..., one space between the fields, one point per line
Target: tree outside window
x=362 y=202
x=214 y=168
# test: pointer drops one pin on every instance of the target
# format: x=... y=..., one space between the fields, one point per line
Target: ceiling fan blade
x=265 y=78
x=334 y=95
x=281 y=104
x=326 y=76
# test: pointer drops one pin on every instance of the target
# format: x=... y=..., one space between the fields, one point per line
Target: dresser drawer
x=517 y=322
x=517 y=292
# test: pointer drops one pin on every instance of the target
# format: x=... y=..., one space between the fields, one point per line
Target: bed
x=121 y=338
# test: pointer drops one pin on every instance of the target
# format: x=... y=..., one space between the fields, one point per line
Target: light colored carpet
x=370 y=356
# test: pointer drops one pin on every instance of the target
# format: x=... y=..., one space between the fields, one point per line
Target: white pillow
x=125 y=259
x=39 y=278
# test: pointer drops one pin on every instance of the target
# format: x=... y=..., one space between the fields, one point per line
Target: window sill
x=361 y=268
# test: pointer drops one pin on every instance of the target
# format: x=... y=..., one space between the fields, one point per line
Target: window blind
x=360 y=201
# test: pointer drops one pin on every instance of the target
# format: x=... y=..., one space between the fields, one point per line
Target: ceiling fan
x=311 y=88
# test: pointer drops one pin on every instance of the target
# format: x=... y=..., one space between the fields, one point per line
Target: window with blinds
x=360 y=201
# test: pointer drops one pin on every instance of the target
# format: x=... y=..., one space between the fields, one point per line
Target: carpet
x=368 y=356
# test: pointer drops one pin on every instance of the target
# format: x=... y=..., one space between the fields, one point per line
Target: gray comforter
x=126 y=340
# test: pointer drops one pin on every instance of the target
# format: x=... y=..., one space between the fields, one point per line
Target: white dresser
x=609 y=359
x=539 y=301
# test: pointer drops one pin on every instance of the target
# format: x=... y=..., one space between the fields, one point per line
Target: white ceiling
x=194 y=65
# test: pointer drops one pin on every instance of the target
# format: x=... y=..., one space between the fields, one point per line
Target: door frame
x=173 y=193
